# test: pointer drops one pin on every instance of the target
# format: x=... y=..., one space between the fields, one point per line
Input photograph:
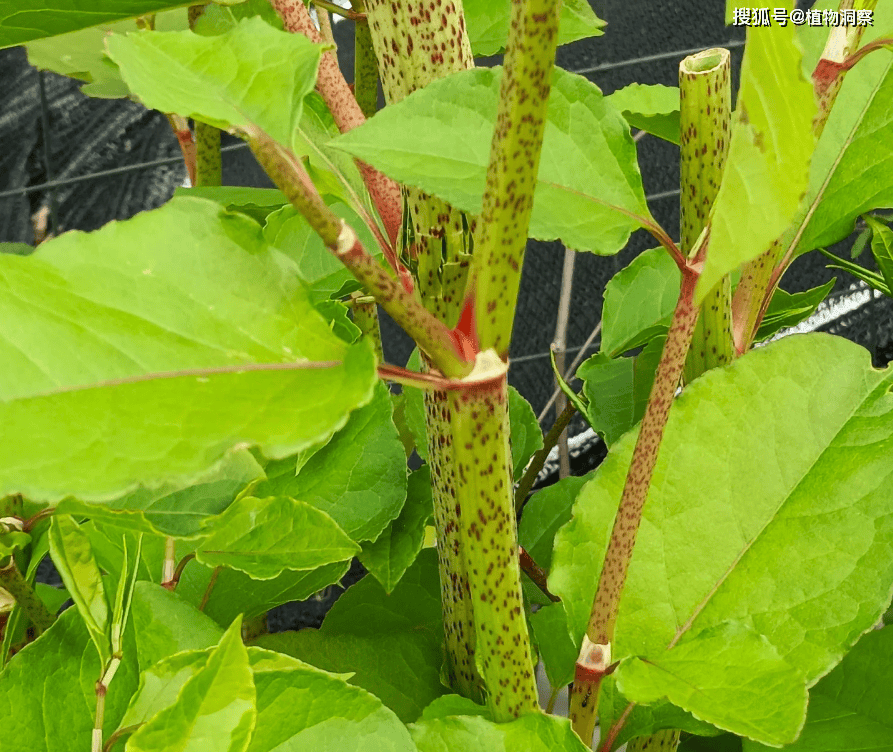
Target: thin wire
x=653 y=58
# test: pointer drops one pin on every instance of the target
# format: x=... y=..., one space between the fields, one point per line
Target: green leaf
x=19 y=249
x=488 y=24
x=650 y=107
x=872 y=279
x=557 y=650
x=235 y=593
x=257 y=203
x=769 y=154
x=216 y=708
x=48 y=689
x=786 y=528
x=639 y=302
x=722 y=743
x=850 y=172
x=438 y=139
x=172 y=510
x=532 y=733
x=414 y=408
x=124 y=596
x=789 y=309
x=882 y=248
x=526 y=434
x=265 y=537
x=253 y=76
x=358 y=478
x=161 y=683
x=182 y=314
x=389 y=556
x=73 y=558
x=448 y=705
x=849 y=708
x=617 y=390
x=166 y=624
x=391 y=643
x=337 y=314
x=726 y=672
x=35 y=19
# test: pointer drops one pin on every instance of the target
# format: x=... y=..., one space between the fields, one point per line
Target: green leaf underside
x=172 y=338
x=850 y=707
x=535 y=732
x=391 y=643
x=651 y=108
x=488 y=24
x=767 y=169
x=789 y=309
x=216 y=708
x=25 y=20
x=61 y=664
x=850 y=172
x=745 y=679
x=390 y=555
x=358 y=478
x=783 y=529
x=526 y=434
x=442 y=145
x=639 y=302
x=265 y=537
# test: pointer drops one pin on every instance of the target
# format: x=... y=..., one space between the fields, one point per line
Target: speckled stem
x=343 y=105
x=12 y=581
x=489 y=545
x=208 y=163
x=365 y=66
x=180 y=127
x=514 y=164
x=759 y=278
x=594 y=661
x=286 y=171
x=663 y=741
x=365 y=316
x=705 y=118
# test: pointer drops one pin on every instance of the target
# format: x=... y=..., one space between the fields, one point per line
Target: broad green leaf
x=488 y=24
x=108 y=542
x=25 y=20
x=389 y=556
x=526 y=434
x=265 y=537
x=789 y=309
x=391 y=643
x=767 y=169
x=257 y=203
x=358 y=478
x=414 y=408
x=74 y=560
x=639 y=302
x=556 y=649
x=338 y=316
x=448 y=705
x=166 y=624
x=535 y=732
x=850 y=172
x=216 y=709
x=289 y=231
x=726 y=672
x=302 y=708
x=438 y=139
x=850 y=708
x=48 y=689
x=785 y=528
x=650 y=107
x=161 y=683
x=872 y=279
x=722 y=743
x=235 y=593
x=617 y=390
x=218 y=18
x=182 y=314
x=19 y=249
x=882 y=248
x=172 y=510
x=253 y=76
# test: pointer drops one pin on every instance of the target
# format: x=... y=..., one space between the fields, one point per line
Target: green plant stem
x=705 y=117
x=365 y=316
x=430 y=334
x=12 y=581
x=595 y=657
x=208 y=162
x=532 y=471
x=488 y=535
x=333 y=88
x=353 y=13
x=115 y=737
x=102 y=688
x=208 y=590
x=514 y=165
x=365 y=67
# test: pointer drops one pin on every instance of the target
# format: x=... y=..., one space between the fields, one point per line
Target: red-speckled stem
x=594 y=661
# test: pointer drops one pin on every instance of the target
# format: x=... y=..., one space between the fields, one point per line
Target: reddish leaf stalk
x=180 y=127
x=594 y=661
